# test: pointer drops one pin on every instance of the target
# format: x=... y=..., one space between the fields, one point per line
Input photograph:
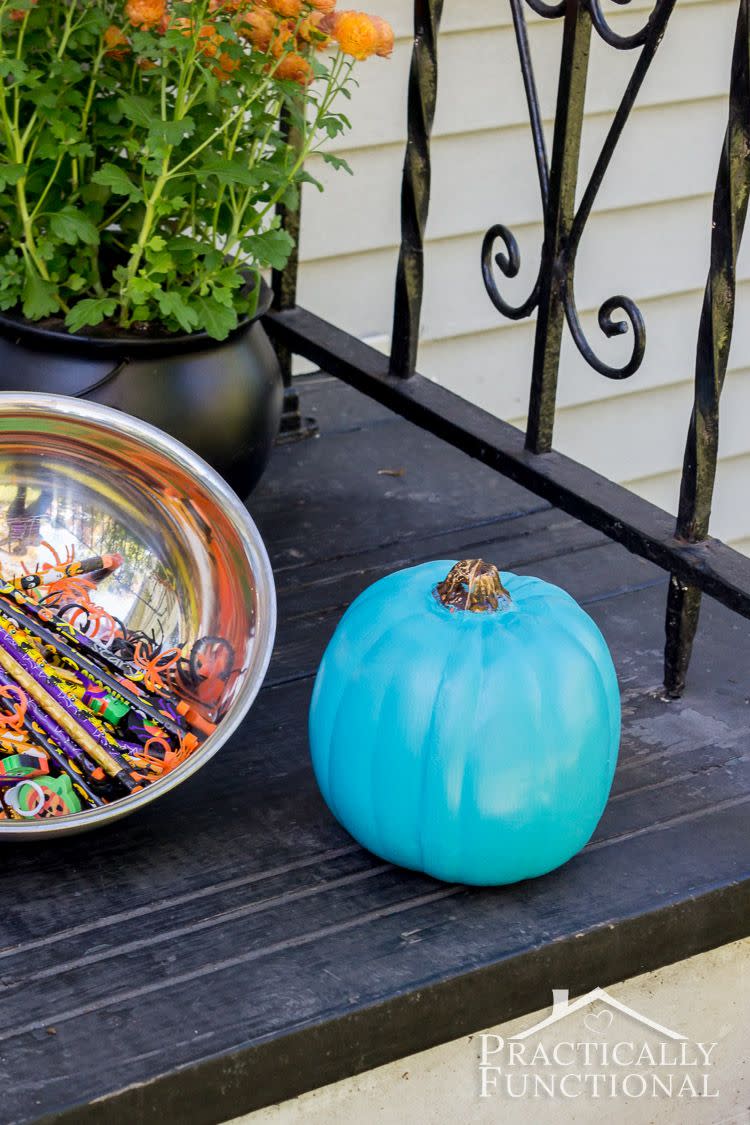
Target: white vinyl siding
x=648 y=237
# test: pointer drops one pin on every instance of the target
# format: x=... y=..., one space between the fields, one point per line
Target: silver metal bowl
x=78 y=476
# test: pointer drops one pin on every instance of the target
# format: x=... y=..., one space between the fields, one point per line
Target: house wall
x=648 y=237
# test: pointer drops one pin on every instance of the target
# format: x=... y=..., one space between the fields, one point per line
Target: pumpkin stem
x=472 y=585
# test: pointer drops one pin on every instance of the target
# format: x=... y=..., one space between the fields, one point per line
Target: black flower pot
x=222 y=399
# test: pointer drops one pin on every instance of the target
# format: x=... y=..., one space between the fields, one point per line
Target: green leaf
x=13 y=68
x=174 y=305
x=161 y=263
x=215 y=318
x=334 y=124
x=38 y=297
x=270 y=248
x=172 y=132
x=140 y=289
x=118 y=182
x=8 y=300
x=137 y=109
x=11 y=174
x=337 y=162
x=72 y=226
x=90 y=312
x=304 y=177
x=229 y=171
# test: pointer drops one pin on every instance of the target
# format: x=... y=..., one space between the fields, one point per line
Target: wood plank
x=330 y=499
x=152 y=975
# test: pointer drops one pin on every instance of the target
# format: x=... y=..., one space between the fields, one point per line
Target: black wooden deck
x=231 y=946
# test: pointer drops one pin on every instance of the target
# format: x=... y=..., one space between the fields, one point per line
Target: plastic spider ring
x=12 y=798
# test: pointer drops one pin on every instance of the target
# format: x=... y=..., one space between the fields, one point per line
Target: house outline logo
x=562 y=1007
x=652 y=1062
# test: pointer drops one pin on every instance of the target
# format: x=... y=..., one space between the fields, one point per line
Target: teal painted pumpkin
x=466 y=726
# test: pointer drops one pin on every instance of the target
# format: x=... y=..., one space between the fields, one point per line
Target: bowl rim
x=28 y=403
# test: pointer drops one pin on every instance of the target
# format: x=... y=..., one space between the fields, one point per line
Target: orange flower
x=208 y=37
x=283 y=38
x=116 y=42
x=20 y=13
x=290 y=9
x=257 y=26
x=310 y=31
x=356 y=34
x=229 y=6
x=147 y=14
x=224 y=66
x=324 y=6
x=294 y=68
x=386 y=37
x=209 y=44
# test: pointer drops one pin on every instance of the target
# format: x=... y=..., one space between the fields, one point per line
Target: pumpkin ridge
x=483 y=641
x=375 y=717
x=615 y=715
x=430 y=738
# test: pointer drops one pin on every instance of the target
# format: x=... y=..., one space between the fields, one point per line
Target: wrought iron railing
x=697 y=563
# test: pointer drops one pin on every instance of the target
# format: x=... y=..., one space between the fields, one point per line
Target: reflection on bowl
x=190 y=572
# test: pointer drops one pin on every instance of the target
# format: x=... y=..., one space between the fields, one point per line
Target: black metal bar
x=558 y=219
x=714 y=339
x=554 y=289
x=509 y=262
x=415 y=187
x=649 y=37
x=284 y=285
x=284 y=282
x=294 y=426
x=640 y=526
x=532 y=98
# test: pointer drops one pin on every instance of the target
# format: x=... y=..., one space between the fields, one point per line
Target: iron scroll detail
x=553 y=292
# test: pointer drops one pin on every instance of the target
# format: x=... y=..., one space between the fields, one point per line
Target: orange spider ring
x=14 y=719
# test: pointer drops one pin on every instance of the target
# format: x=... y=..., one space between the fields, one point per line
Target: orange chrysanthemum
x=19 y=13
x=208 y=37
x=386 y=37
x=289 y=9
x=257 y=26
x=324 y=6
x=147 y=14
x=295 y=68
x=230 y=7
x=116 y=42
x=224 y=66
x=283 y=38
x=356 y=34
x=310 y=31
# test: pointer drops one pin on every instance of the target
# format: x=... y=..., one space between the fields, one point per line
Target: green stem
x=145 y=233
x=87 y=108
x=333 y=89
x=62 y=46
x=28 y=231
x=50 y=182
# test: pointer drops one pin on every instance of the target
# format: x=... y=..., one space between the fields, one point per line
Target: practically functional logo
x=596 y=1047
